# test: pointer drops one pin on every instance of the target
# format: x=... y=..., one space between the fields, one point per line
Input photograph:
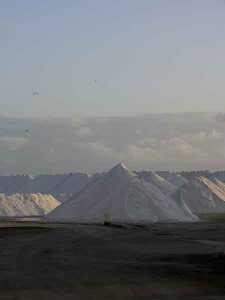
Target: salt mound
x=120 y=196
x=203 y=195
x=165 y=186
x=174 y=178
x=18 y=205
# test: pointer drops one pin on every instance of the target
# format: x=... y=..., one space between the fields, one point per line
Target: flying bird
x=27 y=131
x=35 y=93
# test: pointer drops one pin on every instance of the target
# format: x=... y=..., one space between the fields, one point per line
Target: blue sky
x=111 y=57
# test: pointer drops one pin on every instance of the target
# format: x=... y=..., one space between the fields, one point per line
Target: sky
x=178 y=141
x=111 y=57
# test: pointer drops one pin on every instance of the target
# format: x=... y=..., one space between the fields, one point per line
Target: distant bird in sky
x=35 y=93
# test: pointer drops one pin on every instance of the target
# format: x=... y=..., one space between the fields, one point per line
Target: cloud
x=141 y=154
x=12 y=143
x=220 y=118
x=77 y=121
x=94 y=144
x=84 y=132
x=177 y=146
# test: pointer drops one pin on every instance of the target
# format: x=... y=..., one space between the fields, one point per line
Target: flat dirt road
x=71 y=261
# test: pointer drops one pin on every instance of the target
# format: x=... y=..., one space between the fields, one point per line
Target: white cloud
x=97 y=144
x=177 y=146
x=13 y=143
x=84 y=132
x=141 y=153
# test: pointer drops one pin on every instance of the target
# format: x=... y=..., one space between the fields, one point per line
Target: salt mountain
x=120 y=196
x=203 y=195
x=175 y=179
x=61 y=186
x=21 y=205
x=165 y=186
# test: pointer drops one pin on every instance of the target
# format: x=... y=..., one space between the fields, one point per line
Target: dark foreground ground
x=69 y=261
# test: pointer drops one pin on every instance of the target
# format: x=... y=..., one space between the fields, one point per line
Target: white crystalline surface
x=124 y=197
x=60 y=186
x=176 y=179
x=217 y=187
x=177 y=209
x=203 y=195
x=165 y=186
x=26 y=205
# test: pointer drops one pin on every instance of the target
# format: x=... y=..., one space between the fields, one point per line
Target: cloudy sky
x=67 y=67
x=111 y=57
x=178 y=141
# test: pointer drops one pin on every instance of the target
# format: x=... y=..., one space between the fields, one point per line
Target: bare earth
x=71 y=261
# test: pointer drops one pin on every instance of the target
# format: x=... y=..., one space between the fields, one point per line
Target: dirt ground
x=70 y=261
